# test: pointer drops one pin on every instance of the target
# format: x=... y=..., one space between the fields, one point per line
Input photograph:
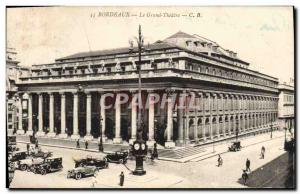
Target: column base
x=131 y=141
x=88 y=137
x=117 y=140
x=29 y=133
x=104 y=139
x=51 y=134
x=179 y=142
x=75 y=137
x=169 y=144
x=40 y=133
x=187 y=141
x=20 y=132
x=63 y=135
x=150 y=143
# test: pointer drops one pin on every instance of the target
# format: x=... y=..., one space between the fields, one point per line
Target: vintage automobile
x=81 y=172
x=120 y=157
x=17 y=155
x=29 y=163
x=235 y=146
x=90 y=161
x=11 y=140
x=38 y=153
x=50 y=164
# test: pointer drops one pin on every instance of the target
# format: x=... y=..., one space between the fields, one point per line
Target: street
x=167 y=174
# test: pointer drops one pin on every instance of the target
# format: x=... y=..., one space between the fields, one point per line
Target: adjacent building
x=286 y=106
x=228 y=98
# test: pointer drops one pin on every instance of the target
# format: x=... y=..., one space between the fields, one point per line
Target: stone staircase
x=179 y=153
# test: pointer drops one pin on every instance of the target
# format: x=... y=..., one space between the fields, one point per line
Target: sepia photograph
x=150 y=97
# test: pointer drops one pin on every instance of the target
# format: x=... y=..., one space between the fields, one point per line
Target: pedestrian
x=36 y=143
x=155 y=153
x=122 y=177
x=28 y=148
x=245 y=176
x=100 y=147
x=77 y=144
x=220 y=160
x=263 y=150
x=86 y=144
x=248 y=165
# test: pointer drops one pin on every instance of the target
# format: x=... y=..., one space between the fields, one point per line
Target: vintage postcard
x=158 y=97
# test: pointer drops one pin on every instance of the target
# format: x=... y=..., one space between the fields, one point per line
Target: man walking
x=36 y=143
x=263 y=150
x=28 y=147
x=122 y=177
x=248 y=165
x=245 y=176
x=86 y=145
x=77 y=144
x=220 y=161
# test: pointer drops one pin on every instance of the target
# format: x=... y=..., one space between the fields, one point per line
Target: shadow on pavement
x=279 y=173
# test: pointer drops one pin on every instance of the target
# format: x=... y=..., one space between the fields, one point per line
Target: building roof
x=159 y=45
x=180 y=34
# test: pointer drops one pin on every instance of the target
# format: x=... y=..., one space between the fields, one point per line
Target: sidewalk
x=245 y=142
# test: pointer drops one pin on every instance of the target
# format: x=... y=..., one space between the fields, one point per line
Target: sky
x=262 y=36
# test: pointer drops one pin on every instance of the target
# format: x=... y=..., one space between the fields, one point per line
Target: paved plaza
x=199 y=172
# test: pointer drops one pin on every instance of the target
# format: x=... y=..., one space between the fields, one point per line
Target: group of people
x=245 y=175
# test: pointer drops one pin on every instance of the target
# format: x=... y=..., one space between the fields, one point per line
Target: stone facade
x=286 y=106
x=64 y=98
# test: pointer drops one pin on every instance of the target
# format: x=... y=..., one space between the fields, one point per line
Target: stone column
x=187 y=119
x=133 y=116
x=30 y=117
x=151 y=139
x=102 y=118
x=20 y=130
x=216 y=101
x=88 y=135
x=169 y=143
x=203 y=116
x=51 y=116
x=40 y=118
x=180 y=118
x=210 y=117
x=117 y=138
x=195 y=104
x=75 y=134
x=63 y=133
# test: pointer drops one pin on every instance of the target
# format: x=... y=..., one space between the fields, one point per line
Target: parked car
x=17 y=155
x=117 y=157
x=235 y=146
x=11 y=140
x=28 y=164
x=81 y=172
x=90 y=161
x=12 y=148
x=50 y=164
x=38 y=153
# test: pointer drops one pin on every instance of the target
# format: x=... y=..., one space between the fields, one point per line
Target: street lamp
x=139 y=146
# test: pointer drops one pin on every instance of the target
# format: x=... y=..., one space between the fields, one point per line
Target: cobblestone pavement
x=194 y=174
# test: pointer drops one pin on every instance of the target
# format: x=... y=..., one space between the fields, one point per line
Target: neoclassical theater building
x=230 y=99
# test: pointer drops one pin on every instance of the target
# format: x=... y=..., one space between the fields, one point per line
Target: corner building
x=64 y=96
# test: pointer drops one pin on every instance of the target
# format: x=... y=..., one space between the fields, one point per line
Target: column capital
x=50 y=93
x=150 y=91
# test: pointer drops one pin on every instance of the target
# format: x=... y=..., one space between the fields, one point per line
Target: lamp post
x=139 y=146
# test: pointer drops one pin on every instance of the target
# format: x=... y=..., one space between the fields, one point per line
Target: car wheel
x=121 y=161
x=34 y=171
x=78 y=176
x=106 y=165
x=23 y=167
x=43 y=172
x=105 y=159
